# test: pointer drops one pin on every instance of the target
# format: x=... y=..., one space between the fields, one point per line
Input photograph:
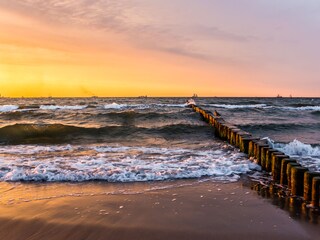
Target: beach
x=138 y=169
x=187 y=209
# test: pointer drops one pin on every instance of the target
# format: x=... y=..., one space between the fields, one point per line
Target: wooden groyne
x=284 y=170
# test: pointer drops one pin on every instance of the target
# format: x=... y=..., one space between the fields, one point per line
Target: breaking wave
x=306 y=154
x=57 y=107
x=44 y=133
x=8 y=108
x=230 y=106
x=77 y=163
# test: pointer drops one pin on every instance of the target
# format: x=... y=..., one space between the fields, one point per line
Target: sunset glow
x=159 y=48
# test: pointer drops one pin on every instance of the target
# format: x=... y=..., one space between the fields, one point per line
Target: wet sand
x=143 y=211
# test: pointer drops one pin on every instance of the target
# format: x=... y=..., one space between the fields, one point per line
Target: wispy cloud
x=119 y=17
x=219 y=34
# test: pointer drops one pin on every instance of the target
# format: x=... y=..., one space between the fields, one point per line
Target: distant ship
x=195 y=95
x=143 y=96
x=279 y=96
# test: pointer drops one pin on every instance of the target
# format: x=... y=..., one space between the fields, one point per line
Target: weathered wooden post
x=297 y=177
x=251 y=147
x=289 y=168
x=308 y=176
x=315 y=192
x=276 y=166
x=264 y=157
x=258 y=148
x=284 y=163
x=269 y=155
x=234 y=136
x=244 y=143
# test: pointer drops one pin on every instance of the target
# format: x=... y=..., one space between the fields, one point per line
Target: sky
x=159 y=48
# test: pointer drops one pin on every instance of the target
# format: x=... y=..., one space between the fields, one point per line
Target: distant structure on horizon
x=279 y=96
x=195 y=95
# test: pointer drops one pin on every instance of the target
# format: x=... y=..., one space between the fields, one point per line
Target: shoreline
x=185 y=209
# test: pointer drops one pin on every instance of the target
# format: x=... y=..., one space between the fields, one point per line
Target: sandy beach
x=177 y=210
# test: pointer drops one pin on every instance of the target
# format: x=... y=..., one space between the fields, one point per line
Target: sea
x=146 y=139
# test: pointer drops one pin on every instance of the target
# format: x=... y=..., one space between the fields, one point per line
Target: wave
x=142 y=106
x=59 y=133
x=293 y=107
x=57 y=107
x=29 y=107
x=132 y=114
x=307 y=155
x=8 y=108
x=304 y=108
x=297 y=105
x=115 y=106
x=317 y=113
x=278 y=126
x=233 y=106
x=77 y=163
x=296 y=148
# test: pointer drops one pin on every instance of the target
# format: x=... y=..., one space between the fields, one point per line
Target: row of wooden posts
x=285 y=170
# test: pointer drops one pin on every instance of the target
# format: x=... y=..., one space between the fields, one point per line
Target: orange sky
x=44 y=52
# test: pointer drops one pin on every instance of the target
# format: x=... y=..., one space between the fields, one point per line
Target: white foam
x=57 y=107
x=115 y=106
x=305 y=108
x=306 y=154
x=296 y=148
x=231 y=106
x=118 y=163
x=8 y=108
x=172 y=105
x=142 y=106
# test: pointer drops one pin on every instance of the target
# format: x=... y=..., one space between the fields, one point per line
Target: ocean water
x=146 y=139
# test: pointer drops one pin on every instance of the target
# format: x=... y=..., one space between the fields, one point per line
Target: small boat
x=279 y=96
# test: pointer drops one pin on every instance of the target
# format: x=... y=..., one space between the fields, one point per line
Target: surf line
x=300 y=181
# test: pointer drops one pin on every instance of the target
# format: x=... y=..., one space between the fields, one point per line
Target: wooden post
x=234 y=136
x=308 y=176
x=284 y=177
x=264 y=157
x=259 y=147
x=297 y=177
x=244 y=144
x=251 y=147
x=276 y=166
x=289 y=167
x=315 y=192
x=270 y=153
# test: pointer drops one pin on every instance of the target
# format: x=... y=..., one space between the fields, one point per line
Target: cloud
x=219 y=34
x=121 y=17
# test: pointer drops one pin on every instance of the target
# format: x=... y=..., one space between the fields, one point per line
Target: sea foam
x=57 y=107
x=304 y=108
x=231 y=106
x=8 y=108
x=306 y=154
x=296 y=148
x=118 y=163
